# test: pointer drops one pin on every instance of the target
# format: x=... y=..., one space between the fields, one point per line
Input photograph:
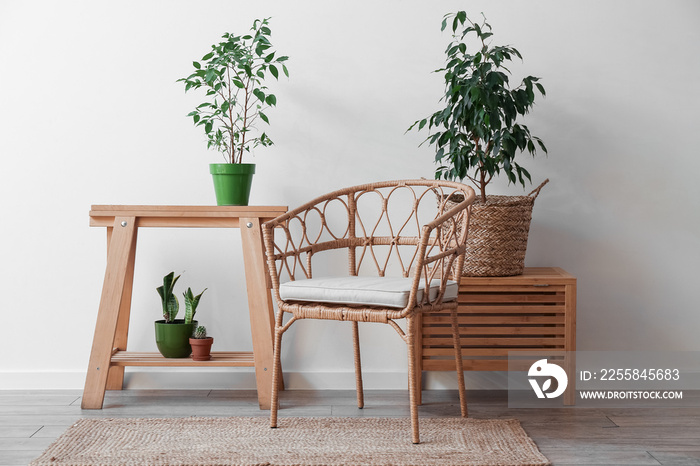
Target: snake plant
x=171 y=306
x=191 y=303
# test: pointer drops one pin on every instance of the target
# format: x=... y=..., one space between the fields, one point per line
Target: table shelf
x=218 y=359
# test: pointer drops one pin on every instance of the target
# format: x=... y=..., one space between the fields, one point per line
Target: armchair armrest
x=441 y=253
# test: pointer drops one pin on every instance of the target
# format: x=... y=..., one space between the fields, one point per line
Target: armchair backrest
x=408 y=225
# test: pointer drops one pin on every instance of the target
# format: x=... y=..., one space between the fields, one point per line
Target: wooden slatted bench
x=497 y=315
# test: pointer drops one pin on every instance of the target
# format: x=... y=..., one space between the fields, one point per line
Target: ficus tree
x=477 y=135
x=233 y=74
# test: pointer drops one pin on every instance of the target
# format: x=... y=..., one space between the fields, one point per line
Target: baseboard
x=45 y=380
x=226 y=379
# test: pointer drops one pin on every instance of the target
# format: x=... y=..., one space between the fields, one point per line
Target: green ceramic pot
x=232 y=182
x=173 y=339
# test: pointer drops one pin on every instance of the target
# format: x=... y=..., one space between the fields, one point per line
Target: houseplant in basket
x=201 y=344
x=477 y=135
x=233 y=74
x=172 y=335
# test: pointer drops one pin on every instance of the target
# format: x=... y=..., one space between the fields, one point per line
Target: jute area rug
x=297 y=441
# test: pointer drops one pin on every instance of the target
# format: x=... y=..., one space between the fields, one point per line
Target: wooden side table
x=109 y=355
x=497 y=315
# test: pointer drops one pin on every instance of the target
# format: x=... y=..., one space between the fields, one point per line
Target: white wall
x=90 y=113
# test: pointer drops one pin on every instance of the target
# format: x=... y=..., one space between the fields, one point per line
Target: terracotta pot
x=201 y=348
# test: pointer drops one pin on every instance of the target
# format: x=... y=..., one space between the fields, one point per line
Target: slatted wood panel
x=218 y=358
x=498 y=315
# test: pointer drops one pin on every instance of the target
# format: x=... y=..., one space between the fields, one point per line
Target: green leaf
x=238 y=84
x=273 y=70
x=208 y=56
x=191 y=303
x=453 y=62
x=541 y=144
x=173 y=307
x=286 y=72
x=264 y=118
x=439 y=154
x=196 y=65
x=209 y=76
x=271 y=100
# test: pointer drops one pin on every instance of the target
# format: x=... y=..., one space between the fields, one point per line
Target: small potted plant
x=172 y=335
x=477 y=135
x=233 y=75
x=201 y=344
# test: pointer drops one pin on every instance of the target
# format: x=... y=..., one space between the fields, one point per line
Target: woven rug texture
x=297 y=441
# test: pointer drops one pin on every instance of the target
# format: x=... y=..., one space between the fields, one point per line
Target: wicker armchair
x=405 y=246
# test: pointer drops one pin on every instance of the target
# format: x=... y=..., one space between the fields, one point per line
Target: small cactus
x=200 y=332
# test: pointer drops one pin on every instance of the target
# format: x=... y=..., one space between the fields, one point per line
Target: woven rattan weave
x=387 y=228
x=498 y=234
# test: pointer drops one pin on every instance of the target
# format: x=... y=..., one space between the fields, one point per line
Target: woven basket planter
x=498 y=231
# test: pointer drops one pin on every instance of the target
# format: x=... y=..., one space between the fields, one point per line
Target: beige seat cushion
x=371 y=291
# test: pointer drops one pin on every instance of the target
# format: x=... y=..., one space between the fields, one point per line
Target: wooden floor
x=31 y=420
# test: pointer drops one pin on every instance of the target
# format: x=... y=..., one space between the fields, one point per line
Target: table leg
x=121 y=242
x=115 y=378
x=259 y=306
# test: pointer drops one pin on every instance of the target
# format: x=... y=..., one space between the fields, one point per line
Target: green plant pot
x=173 y=339
x=232 y=182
